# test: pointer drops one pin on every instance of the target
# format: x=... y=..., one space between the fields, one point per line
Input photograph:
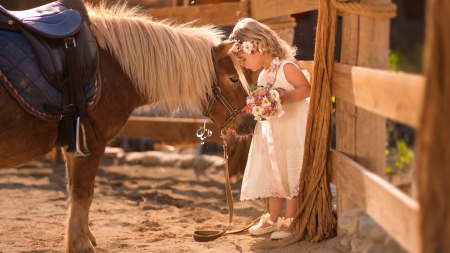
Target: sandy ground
x=135 y=209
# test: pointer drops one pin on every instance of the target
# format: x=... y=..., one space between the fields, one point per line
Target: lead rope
x=209 y=235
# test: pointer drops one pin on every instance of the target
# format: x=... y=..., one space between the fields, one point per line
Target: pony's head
x=228 y=99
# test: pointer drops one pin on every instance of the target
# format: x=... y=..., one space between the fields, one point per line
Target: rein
x=209 y=235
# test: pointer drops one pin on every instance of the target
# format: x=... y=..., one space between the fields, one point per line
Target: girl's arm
x=297 y=79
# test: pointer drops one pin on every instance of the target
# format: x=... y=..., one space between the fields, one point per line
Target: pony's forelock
x=167 y=62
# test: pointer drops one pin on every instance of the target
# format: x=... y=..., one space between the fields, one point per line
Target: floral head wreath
x=247 y=47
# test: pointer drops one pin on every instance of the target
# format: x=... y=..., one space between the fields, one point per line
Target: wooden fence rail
x=168 y=129
x=227 y=14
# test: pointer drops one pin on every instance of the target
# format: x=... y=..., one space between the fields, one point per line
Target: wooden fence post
x=361 y=134
x=433 y=160
x=345 y=113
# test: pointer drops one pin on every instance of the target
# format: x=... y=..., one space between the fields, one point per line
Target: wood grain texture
x=393 y=210
x=395 y=95
x=223 y=14
x=168 y=129
x=266 y=9
x=345 y=114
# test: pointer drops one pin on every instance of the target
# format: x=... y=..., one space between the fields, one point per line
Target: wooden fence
x=169 y=129
x=366 y=94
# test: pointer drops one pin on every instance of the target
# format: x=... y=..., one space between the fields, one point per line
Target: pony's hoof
x=92 y=238
x=82 y=247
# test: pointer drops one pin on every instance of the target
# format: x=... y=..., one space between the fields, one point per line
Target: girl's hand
x=281 y=91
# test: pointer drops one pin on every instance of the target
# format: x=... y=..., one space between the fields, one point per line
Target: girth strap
x=77 y=97
x=74 y=101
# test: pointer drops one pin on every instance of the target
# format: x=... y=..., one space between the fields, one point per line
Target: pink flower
x=263 y=103
x=270 y=80
x=267 y=112
x=248 y=108
x=258 y=101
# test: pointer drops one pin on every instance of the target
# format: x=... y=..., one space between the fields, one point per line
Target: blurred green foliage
x=398 y=152
x=406 y=60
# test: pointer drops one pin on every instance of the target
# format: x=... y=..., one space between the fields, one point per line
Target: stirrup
x=80 y=152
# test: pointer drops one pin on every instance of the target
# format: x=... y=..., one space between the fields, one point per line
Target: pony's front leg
x=81 y=174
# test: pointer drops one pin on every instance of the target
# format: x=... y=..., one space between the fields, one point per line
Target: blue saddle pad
x=23 y=78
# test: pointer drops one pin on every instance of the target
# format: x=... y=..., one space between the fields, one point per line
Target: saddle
x=66 y=50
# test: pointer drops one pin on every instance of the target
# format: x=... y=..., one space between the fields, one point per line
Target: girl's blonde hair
x=248 y=29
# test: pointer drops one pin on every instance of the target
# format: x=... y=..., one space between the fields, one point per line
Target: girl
x=276 y=152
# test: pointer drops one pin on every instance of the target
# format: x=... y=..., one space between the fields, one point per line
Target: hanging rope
x=314 y=220
x=371 y=11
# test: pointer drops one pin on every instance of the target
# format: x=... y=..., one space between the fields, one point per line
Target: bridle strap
x=217 y=94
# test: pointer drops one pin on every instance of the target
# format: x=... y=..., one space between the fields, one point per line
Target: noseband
x=217 y=94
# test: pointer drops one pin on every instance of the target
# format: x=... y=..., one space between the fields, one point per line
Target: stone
x=377 y=234
x=348 y=220
x=375 y=248
x=359 y=243
x=186 y=161
x=392 y=246
x=151 y=158
x=345 y=240
x=134 y=157
x=365 y=224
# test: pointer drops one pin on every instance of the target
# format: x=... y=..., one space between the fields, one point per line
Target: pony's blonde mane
x=169 y=63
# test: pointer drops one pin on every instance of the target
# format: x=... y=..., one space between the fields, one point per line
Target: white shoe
x=282 y=234
x=258 y=230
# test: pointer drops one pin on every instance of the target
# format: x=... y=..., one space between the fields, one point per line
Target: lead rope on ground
x=209 y=235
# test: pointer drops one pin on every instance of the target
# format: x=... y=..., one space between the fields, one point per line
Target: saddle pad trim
x=25 y=105
x=44 y=115
x=97 y=92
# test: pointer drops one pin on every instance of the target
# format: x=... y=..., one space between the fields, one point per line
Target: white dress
x=258 y=181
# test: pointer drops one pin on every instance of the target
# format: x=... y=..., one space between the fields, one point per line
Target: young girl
x=276 y=152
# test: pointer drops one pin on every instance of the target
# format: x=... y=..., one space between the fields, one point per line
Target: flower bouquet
x=263 y=102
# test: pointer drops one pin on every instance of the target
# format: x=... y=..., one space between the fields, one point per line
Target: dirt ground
x=135 y=209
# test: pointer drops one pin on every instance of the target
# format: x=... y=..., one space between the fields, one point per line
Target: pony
x=142 y=62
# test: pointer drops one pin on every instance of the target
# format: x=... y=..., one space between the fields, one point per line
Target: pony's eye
x=234 y=79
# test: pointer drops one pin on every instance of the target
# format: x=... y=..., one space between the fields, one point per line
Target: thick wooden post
x=360 y=134
x=345 y=114
x=373 y=51
x=433 y=145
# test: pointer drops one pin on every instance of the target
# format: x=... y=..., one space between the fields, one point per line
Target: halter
x=217 y=94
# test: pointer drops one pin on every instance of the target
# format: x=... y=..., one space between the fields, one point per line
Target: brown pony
x=142 y=62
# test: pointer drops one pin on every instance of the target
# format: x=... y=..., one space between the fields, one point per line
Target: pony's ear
x=221 y=50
